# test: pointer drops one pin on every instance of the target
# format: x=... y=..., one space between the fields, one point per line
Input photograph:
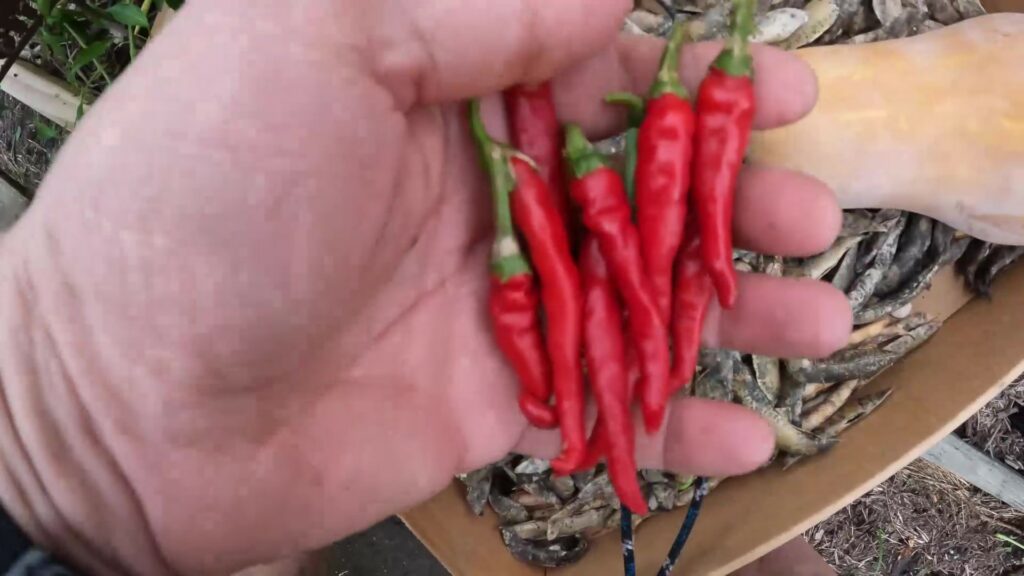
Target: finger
x=785 y=86
x=782 y=317
x=786 y=213
x=700 y=437
x=447 y=50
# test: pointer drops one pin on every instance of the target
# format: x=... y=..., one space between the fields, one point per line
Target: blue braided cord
x=700 y=490
x=626 y=532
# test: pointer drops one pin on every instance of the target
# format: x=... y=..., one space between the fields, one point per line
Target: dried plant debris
x=998 y=428
x=925 y=521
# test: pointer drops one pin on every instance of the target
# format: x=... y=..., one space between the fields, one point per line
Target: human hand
x=246 y=314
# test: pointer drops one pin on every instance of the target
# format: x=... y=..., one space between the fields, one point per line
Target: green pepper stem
x=581 y=154
x=634 y=105
x=667 y=80
x=507 y=258
x=735 y=58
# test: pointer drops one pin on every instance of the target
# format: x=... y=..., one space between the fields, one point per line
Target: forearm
x=57 y=479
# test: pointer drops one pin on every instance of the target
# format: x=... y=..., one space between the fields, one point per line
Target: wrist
x=58 y=479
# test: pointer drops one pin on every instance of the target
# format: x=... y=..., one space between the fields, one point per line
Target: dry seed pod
x=854 y=412
x=791 y=394
x=556 y=554
x=815 y=389
x=478 y=488
x=541 y=490
x=851 y=12
x=975 y=254
x=715 y=382
x=648 y=22
x=914 y=243
x=574 y=525
x=745 y=387
x=532 y=467
x=887 y=10
x=794 y=440
x=664 y=496
x=778 y=25
x=870 y=331
x=931 y=25
x=909 y=23
x=654 y=476
x=530 y=530
x=891 y=221
x=768 y=374
x=912 y=289
x=821 y=15
x=861 y=223
x=507 y=509
x=846 y=272
x=906 y=344
x=562 y=486
x=530 y=500
x=844 y=365
x=864 y=286
x=581 y=479
x=832 y=402
x=711 y=25
x=817 y=267
x=993 y=265
x=969 y=8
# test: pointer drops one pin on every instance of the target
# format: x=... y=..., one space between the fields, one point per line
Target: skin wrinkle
x=105 y=453
x=64 y=533
x=101 y=442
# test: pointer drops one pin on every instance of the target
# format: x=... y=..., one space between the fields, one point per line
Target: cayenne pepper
x=600 y=193
x=692 y=296
x=513 y=305
x=725 y=115
x=536 y=132
x=605 y=352
x=664 y=153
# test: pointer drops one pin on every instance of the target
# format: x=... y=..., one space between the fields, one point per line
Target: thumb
x=443 y=50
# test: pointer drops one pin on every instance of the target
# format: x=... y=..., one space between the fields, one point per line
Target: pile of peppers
x=601 y=279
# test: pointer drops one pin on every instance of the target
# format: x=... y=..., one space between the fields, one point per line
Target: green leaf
x=52 y=41
x=45 y=131
x=88 y=55
x=129 y=15
x=44 y=7
x=175 y=4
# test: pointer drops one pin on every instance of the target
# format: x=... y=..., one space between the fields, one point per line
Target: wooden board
x=976 y=467
x=45 y=94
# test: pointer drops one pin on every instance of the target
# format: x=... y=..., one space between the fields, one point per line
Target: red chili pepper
x=537 y=133
x=725 y=114
x=601 y=194
x=537 y=218
x=664 y=153
x=605 y=352
x=693 y=293
x=513 y=306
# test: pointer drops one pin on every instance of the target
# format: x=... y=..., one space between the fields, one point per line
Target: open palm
x=257 y=276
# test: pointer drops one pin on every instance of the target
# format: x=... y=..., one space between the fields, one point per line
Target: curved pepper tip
x=537 y=413
x=654 y=417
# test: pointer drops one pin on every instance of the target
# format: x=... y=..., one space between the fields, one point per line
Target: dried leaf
x=777 y=25
x=821 y=15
